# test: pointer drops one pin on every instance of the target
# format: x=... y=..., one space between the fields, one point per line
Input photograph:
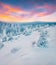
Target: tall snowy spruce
x=42 y=42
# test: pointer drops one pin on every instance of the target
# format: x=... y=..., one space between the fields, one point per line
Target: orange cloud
x=14 y=14
x=12 y=9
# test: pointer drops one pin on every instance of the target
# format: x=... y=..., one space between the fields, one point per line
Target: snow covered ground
x=28 y=44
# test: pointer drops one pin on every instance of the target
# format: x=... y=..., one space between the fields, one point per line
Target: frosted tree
x=42 y=42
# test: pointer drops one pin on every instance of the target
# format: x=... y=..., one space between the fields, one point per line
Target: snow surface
x=27 y=43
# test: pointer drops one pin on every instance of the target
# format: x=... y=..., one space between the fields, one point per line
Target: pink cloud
x=8 y=12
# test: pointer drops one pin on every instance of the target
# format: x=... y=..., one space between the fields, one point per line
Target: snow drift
x=28 y=43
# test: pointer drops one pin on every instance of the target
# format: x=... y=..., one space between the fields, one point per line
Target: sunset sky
x=28 y=10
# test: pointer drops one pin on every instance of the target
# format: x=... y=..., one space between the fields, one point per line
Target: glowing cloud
x=11 y=13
